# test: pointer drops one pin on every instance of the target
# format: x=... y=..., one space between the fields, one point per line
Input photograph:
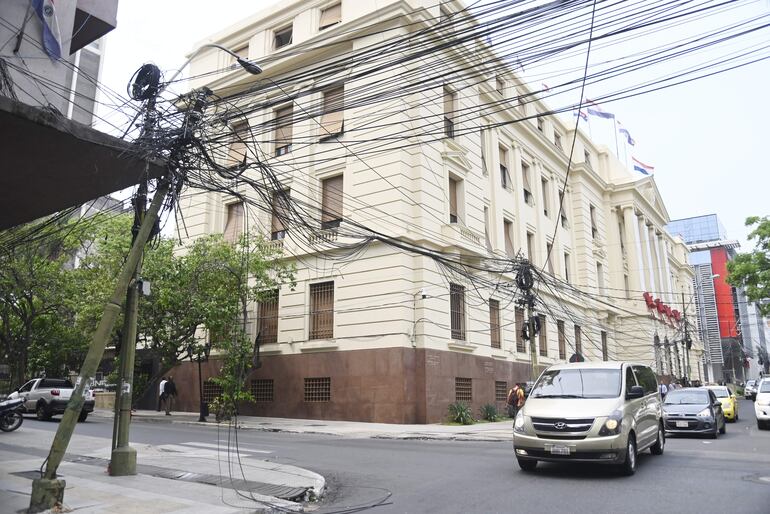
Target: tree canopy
x=751 y=270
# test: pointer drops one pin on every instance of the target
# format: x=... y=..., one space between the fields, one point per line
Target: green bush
x=461 y=413
x=489 y=412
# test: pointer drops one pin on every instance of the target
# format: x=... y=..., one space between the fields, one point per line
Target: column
x=645 y=276
x=632 y=247
x=655 y=281
x=616 y=254
x=666 y=268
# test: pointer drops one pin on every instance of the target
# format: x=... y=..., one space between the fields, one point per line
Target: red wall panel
x=723 y=293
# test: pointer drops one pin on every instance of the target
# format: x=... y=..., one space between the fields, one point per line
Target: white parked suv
x=762 y=404
x=47 y=397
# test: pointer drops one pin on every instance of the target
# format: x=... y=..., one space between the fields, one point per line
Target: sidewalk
x=187 y=477
x=499 y=431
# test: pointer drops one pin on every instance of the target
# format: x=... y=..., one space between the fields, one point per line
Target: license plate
x=682 y=424
x=560 y=450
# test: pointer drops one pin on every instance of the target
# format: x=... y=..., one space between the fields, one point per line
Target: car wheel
x=660 y=444
x=527 y=464
x=42 y=412
x=628 y=467
x=83 y=416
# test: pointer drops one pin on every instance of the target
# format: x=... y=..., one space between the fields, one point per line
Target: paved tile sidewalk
x=499 y=431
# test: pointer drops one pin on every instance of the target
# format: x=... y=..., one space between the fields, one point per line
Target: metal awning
x=50 y=163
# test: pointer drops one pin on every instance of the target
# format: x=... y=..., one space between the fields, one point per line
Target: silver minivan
x=605 y=412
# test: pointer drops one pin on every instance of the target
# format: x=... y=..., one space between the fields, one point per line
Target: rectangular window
x=592 y=213
x=282 y=37
x=501 y=390
x=546 y=197
x=562 y=340
x=527 y=188
x=505 y=176
x=494 y=323
x=627 y=286
x=463 y=389
x=237 y=151
x=234 y=223
x=564 y=206
x=622 y=236
x=557 y=140
x=333 y=117
x=318 y=389
x=331 y=203
x=268 y=319
x=508 y=229
x=457 y=311
x=605 y=353
x=243 y=52
x=262 y=389
x=531 y=247
x=486 y=228
x=566 y=267
x=600 y=277
x=322 y=310
x=452 y=200
x=519 y=322
x=283 y=130
x=280 y=212
x=484 y=169
x=549 y=257
x=578 y=340
x=587 y=157
x=450 y=106
x=540 y=124
x=330 y=16
x=211 y=391
x=543 y=337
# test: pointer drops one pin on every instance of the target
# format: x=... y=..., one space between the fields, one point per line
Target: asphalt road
x=727 y=475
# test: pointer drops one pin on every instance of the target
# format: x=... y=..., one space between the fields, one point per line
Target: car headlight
x=518 y=424
x=612 y=425
x=705 y=413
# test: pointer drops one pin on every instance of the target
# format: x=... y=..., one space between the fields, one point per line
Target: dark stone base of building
x=390 y=385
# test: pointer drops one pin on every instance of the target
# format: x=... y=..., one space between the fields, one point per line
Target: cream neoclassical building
x=381 y=334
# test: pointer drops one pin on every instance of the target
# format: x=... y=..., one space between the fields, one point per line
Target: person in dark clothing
x=161 y=392
x=169 y=389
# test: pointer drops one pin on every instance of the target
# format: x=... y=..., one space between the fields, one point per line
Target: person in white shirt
x=161 y=392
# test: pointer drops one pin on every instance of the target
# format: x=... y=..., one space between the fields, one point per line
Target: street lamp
x=249 y=66
x=201 y=354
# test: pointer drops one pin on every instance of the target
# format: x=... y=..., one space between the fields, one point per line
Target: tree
x=36 y=291
x=752 y=270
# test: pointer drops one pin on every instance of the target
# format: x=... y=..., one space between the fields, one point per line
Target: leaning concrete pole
x=48 y=490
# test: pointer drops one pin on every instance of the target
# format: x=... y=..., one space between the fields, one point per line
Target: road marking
x=223 y=447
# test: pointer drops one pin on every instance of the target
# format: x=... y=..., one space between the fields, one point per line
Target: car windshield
x=578 y=383
x=684 y=397
x=764 y=387
x=721 y=392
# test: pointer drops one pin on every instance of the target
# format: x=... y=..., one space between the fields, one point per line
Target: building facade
x=390 y=336
x=729 y=323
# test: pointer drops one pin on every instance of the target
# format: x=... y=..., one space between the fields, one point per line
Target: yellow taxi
x=728 y=401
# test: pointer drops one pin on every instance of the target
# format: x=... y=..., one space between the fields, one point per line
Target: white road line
x=223 y=447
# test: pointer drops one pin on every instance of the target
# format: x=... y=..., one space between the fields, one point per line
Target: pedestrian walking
x=161 y=392
x=663 y=390
x=515 y=400
x=169 y=389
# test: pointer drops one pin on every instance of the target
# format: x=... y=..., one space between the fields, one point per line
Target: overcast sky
x=708 y=140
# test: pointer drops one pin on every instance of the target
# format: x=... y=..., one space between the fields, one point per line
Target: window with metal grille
x=578 y=340
x=322 y=310
x=283 y=130
x=501 y=391
x=519 y=321
x=543 y=337
x=234 y=223
x=450 y=106
x=318 y=389
x=463 y=389
x=457 y=311
x=494 y=323
x=605 y=350
x=331 y=202
x=562 y=340
x=262 y=389
x=268 y=319
x=211 y=391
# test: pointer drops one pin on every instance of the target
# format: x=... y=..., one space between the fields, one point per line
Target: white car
x=762 y=404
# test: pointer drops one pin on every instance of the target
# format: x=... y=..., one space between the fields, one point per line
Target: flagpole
x=615 y=124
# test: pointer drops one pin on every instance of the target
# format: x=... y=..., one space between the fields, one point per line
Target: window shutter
x=237 y=150
x=280 y=210
x=449 y=104
x=330 y=16
x=283 y=120
x=234 y=224
x=525 y=176
x=453 y=198
x=494 y=323
x=334 y=110
x=508 y=226
x=332 y=199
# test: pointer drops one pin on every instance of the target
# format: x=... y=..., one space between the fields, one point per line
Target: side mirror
x=634 y=392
